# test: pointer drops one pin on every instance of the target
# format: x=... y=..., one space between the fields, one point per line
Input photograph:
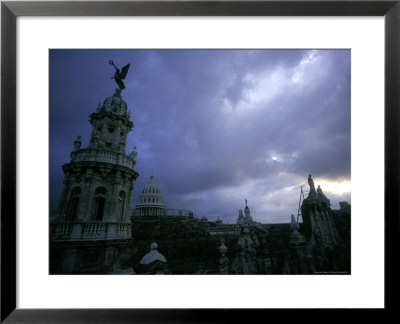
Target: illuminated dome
x=151 y=188
x=150 y=201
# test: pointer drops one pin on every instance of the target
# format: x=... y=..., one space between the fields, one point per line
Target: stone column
x=128 y=202
x=116 y=138
x=84 y=197
x=63 y=198
x=113 y=200
x=89 y=196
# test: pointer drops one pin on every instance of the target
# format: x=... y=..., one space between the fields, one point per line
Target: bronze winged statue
x=120 y=75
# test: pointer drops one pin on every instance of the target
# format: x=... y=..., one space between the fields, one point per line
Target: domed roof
x=151 y=188
x=115 y=102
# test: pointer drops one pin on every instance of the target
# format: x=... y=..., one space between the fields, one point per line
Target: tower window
x=99 y=204
x=73 y=204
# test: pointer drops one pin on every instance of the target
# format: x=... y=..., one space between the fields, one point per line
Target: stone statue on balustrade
x=311 y=184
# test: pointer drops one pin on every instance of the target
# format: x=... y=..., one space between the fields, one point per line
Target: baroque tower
x=93 y=217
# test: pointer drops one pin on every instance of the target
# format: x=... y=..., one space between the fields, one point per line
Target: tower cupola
x=110 y=124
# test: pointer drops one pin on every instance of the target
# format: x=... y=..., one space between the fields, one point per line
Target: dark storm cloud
x=215 y=126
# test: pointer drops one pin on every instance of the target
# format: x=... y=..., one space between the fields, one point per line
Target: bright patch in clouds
x=267 y=85
x=335 y=187
x=301 y=71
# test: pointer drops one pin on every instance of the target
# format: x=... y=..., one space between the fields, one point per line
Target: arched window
x=73 y=204
x=121 y=206
x=99 y=203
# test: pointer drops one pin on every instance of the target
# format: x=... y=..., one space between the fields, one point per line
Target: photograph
x=223 y=144
x=200 y=161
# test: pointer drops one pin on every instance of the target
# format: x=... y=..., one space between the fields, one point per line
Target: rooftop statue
x=120 y=75
x=323 y=197
x=311 y=184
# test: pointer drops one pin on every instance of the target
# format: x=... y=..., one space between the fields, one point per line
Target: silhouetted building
x=321 y=244
x=93 y=221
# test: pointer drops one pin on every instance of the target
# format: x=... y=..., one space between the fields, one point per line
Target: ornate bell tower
x=93 y=218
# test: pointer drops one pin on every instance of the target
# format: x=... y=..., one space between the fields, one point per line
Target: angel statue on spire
x=120 y=75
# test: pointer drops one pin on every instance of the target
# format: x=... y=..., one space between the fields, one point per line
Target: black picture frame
x=10 y=10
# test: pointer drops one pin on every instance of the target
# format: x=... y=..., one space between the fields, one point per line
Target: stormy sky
x=215 y=127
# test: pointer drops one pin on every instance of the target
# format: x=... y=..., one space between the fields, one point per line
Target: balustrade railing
x=102 y=155
x=61 y=231
x=172 y=212
x=94 y=229
x=123 y=227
